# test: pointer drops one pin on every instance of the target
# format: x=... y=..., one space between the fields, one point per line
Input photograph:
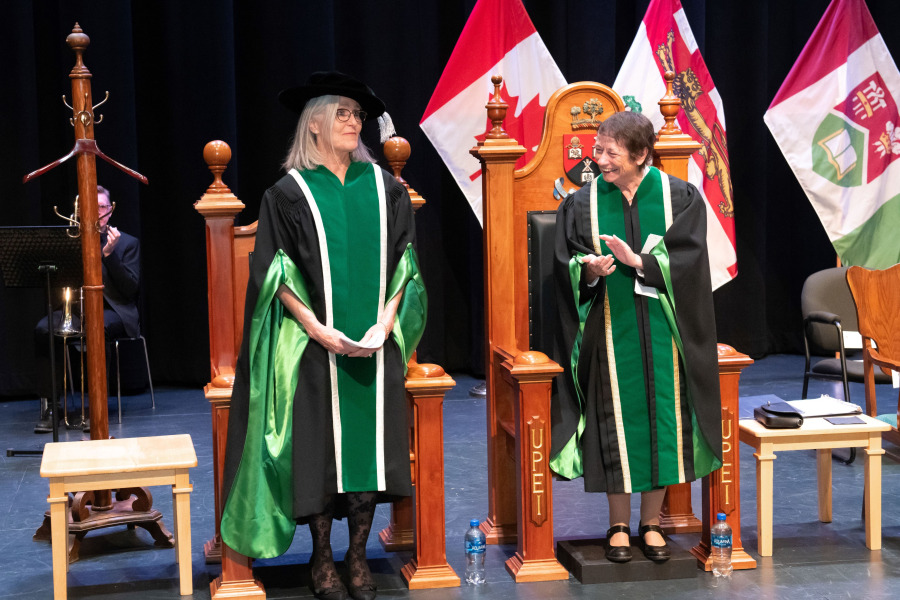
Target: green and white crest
x=839 y=152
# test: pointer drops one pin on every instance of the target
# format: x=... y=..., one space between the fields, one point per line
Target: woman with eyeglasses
x=639 y=402
x=335 y=307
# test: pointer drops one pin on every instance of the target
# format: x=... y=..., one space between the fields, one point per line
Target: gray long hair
x=304 y=153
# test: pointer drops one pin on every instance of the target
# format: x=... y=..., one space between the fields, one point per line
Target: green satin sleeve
x=409 y=322
x=257 y=519
x=666 y=297
x=569 y=461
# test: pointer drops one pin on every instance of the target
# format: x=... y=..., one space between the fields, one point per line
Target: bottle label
x=474 y=547
x=720 y=541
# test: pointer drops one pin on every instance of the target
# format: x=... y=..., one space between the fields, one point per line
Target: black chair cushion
x=831 y=367
x=542 y=314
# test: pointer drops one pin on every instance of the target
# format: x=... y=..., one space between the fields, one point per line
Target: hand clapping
x=598 y=266
x=112 y=238
x=622 y=252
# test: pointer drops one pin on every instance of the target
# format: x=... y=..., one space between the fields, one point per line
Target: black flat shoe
x=335 y=593
x=363 y=592
x=654 y=553
x=618 y=554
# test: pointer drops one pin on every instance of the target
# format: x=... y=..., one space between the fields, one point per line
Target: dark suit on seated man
x=121 y=265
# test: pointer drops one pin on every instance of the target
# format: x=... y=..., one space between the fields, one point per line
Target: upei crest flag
x=835 y=120
x=664 y=42
x=498 y=39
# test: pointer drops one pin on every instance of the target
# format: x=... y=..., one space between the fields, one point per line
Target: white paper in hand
x=639 y=288
x=375 y=342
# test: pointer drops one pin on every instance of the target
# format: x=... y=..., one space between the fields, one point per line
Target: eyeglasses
x=104 y=209
x=343 y=115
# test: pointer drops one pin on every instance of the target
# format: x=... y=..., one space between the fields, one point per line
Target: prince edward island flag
x=835 y=119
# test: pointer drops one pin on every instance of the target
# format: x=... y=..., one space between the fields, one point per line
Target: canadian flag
x=664 y=42
x=498 y=39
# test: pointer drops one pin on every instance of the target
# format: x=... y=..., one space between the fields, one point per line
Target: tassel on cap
x=386 y=127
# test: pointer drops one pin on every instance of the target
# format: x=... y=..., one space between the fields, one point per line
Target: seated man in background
x=121 y=263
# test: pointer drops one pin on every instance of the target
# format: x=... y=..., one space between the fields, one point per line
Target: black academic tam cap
x=322 y=83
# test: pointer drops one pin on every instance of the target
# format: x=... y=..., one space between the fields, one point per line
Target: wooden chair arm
x=881 y=361
x=526 y=365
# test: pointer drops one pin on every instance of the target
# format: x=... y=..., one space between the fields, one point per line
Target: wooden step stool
x=118 y=464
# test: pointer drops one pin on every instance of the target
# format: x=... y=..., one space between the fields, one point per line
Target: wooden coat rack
x=96 y=509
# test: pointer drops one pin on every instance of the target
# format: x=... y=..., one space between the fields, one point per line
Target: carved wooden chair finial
x=496 y=110
x=397 y=152
x=669 y=105
x=217 y=154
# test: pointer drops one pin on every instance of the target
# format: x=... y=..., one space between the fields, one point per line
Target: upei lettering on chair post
x=538 y=470
x=726 y=473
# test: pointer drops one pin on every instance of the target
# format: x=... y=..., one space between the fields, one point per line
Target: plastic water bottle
x=720 y=540
x=475 y=545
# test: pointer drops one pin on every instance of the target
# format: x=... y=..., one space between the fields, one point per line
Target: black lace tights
x=324 y=574
x=361 y=510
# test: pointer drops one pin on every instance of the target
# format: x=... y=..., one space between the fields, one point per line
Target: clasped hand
x=335 y=341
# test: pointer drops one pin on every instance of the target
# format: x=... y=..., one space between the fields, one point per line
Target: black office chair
x=115 y=343
x=828 y=314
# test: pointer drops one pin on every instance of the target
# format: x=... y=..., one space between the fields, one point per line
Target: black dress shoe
x=618 y=554
x=363 y=592
x=654 y=553
x=45 y=425
x=335 y=593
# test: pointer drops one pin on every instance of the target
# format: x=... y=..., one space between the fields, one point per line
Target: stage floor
x=811 y=559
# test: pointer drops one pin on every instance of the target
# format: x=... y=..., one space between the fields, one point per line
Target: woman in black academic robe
x=318 y=426
x=638 y=405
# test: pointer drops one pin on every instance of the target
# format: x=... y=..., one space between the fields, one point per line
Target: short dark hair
x=632 y=130
x=103 y=190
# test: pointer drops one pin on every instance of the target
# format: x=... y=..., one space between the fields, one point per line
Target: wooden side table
x=119 y=464
x=820 y=435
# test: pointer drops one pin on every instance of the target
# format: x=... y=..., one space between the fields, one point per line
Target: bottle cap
x=474 y=523
x=720 y=516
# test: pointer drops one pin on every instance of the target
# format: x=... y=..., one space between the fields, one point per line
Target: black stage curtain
x=183 y=73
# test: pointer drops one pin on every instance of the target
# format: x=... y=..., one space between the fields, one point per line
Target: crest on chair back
x=577 y=147
x=577 y=154
x=577 y=158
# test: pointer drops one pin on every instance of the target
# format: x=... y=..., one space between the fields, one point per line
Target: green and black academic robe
x=306 y=424
x=638 y=405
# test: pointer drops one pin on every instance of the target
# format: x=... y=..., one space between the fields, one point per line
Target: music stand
x=29 y=258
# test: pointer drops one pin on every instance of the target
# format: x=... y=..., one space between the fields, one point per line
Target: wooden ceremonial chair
x=877 y=297
x=519 y=206
x=417 y=523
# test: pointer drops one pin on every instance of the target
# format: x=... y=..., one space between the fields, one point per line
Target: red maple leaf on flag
x=525 y=129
